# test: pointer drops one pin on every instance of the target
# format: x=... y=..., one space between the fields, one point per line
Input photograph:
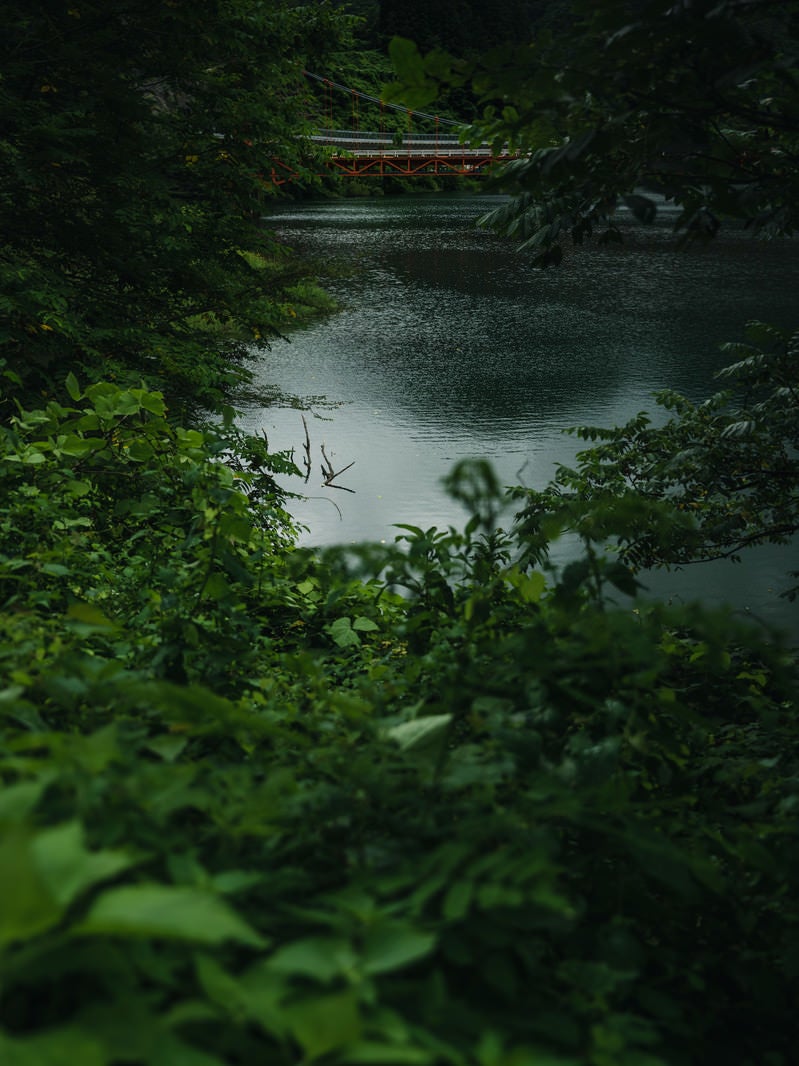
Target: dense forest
x=461 y=28
x=438 y=802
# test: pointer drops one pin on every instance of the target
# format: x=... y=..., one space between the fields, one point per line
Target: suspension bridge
x=359 y=153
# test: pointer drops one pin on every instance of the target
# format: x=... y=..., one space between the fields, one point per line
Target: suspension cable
x=376 y=100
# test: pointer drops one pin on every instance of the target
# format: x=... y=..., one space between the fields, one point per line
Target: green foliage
x=462 y=27
x=432 y=803
x=693 y=101
x=260 y=807
x=113 y=512
x=136 y=150
x=715 y=478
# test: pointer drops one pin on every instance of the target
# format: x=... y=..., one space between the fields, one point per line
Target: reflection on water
x=452 y=345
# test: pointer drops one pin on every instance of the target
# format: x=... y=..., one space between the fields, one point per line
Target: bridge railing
x=359 y=140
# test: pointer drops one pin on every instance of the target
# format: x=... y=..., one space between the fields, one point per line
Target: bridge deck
x=371 y=153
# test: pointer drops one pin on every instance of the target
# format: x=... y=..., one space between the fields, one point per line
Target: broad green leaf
x=374 y=1053
x=217 y=587
x=322 y=958
x=256 y=996
x=391 y=945
x=458 y=899
x=79 y=447
x=529 y=586
x=95 y=751
x=642 y=207
x=110 y=401
x=230 y=881
x=168 y=746
x=343 y=634
x=70 y=1046
x=55 y=569
x=67 y=867
x=420 y=732
x=153 y=402
x=221 y=987
x=407 y=61
x=32 y=456
x=323 y=1024
x=27 y=906
x=365 y=625
x=139 y=450
x=72 y=386
x=174 y=912
x=172 y=1051
x=17 y=801
x=623 y=578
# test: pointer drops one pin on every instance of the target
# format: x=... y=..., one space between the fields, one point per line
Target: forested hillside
x=461 y=28
x=437 y=802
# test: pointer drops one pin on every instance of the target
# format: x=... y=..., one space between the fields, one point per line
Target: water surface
x=451 y=344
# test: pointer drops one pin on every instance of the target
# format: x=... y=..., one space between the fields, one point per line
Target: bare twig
x=329 y=474
x=327 y=498
x=519 y=473
x=307 y=459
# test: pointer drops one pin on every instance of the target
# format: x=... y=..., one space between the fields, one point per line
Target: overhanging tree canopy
x=136 y=143
x=697 y=101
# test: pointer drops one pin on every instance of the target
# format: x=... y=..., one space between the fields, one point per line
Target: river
x=450 y=344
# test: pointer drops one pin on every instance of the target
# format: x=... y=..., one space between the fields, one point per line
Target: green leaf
x=70 y=1046
x=322 y=958
x=407 y=61
x=26 y=907
x=256 y=996
x=168 y=746
x=67 y=867
x=85 y=618
x=173 y=912
x=170 y=1050
x=379 y=1054
x=80 y=447
x=55 y=569
x=623 y=578
x=17 y=801
x=230 y=881
x=530 y=587
x=320 y=1025
x=642 y=207
x=458 y=899
x=72 y=386
x=153 y=402
x=392 y=945
x=365 y=625
x=419 y=733
x=221 y=987
x=343 y=634
x=140 y=451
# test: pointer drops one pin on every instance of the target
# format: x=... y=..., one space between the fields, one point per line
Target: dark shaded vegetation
x=429 y=803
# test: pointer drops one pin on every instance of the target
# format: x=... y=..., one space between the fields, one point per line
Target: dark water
x=452 y=345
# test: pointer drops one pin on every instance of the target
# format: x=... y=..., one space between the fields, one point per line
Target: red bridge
x=358 y=153
x=367 y=153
